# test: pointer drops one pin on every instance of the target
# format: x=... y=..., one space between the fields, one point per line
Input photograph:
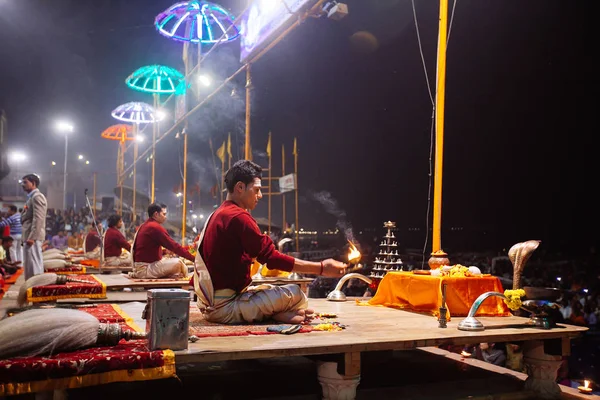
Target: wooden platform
x=371 y=328
x=122 y=281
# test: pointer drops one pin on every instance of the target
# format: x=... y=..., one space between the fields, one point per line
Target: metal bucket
x=167 y=317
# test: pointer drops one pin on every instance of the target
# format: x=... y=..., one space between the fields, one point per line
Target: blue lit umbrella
x=207 y=22
x=158 y=79
x=136 y=112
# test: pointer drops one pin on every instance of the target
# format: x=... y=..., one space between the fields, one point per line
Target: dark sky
x=518 y=154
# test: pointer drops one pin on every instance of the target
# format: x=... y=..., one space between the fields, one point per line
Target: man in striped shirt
x=13 y=221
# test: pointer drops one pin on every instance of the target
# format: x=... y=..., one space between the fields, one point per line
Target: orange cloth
x=423 y=293
x=90 y=263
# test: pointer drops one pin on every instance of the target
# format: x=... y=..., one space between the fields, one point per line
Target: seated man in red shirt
x=149 y=240
x=228 y=243
x=92 y=244
x=114 y=243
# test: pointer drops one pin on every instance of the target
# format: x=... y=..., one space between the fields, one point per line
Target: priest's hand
x=333 y=268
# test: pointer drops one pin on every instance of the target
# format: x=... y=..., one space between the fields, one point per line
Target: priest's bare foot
x=295 y=317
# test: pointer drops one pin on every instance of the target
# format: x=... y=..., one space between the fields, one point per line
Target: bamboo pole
x=136 y=129
x=247 y=149
x=270 y=185
x=184 y=206
x=283 y=194
x=154 y=132
x=296 y=194
x=121 y=177
x=222 y=177
x=94 y=193
x=439 y=126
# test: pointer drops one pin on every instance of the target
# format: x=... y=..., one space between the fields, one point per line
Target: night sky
x=519 y=154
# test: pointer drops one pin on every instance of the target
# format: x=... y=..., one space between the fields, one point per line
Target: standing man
x=34 y=226
x=13 y=221
x=229 y=242
x=114 y=243
x=149 y=240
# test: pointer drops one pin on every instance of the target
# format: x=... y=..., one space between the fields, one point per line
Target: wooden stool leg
x=338 y=386
x=541 y=369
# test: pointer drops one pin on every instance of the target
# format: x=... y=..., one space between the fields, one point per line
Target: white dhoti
x=16 y=250
x=33 y=263
x=254 y=304
x=94 y=254
x=164 y=268
x=112 y=262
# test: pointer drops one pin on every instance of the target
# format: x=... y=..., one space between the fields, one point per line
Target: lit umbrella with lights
x=195 y=22
x=135 y=113
x=157 y=80
x=121 y=133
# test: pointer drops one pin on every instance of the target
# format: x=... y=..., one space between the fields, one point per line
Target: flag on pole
x=269 y=146
x=221 y=152
x=295 y=152
x=229 y=146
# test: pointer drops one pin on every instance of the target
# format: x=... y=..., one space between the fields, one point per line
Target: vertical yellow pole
x=270 y=186
x=283 y=194
x=222 y=177
x=439 y=126
x=154 y=132
x=296 y=186
x=184 y=206
x=247 y=150
x=136 y=129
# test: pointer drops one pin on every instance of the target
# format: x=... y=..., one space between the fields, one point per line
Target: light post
x=17 y=157
x=66 y=128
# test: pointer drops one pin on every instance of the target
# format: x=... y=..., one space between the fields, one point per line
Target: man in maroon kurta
x=114 y=243
x=230 y=241
x=149 y=240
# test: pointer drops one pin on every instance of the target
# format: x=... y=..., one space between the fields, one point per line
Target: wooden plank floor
x=369 y=329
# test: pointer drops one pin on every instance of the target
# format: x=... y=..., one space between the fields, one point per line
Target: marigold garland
x=513 y=298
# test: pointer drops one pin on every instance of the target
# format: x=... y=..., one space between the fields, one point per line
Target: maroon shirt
x=114 y=241
x=150 y=239
x=92 y=240
x=231 y=240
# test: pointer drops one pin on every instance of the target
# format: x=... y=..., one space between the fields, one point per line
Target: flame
x=465 y=354
x=587 y=384
x=353 y=254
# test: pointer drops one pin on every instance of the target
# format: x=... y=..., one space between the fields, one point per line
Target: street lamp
x=17 y=157
x=80 y=156
x=204 y=80
x=66 y=128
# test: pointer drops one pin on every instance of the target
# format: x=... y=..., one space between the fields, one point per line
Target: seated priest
x=7 y=265
x=228 y=243
x=92 y=243
x=114 y=243
x=147 y=249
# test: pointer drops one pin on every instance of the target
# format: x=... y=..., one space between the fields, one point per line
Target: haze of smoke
x=332 y=207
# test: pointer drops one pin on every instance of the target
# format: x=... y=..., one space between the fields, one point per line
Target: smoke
x=331 y=206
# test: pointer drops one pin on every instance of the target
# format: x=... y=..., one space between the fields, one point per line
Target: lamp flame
x=465 y=354
x=353 y=254
x=586 y=384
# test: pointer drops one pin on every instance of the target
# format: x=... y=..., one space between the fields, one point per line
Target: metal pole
x=439 y=127
x=135 y=154
x=65 y=172
x=121 y=177
x=296 y=187
x=283 y=194
x=247 y=149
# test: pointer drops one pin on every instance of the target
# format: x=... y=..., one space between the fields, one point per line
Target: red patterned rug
x=92 y=289
x=202 y=328
x=126 y=362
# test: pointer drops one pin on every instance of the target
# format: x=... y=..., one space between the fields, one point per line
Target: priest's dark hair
x=113 y=220
x=155 y=207
x=244 y=171
x=33 y=178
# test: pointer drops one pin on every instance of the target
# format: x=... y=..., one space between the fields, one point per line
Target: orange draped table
x=126 y=362
x=423 y=293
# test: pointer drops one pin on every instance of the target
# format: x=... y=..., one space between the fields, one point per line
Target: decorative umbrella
x=120 y=132
x=207 y=22
x=136 y=112
x=158 y=79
